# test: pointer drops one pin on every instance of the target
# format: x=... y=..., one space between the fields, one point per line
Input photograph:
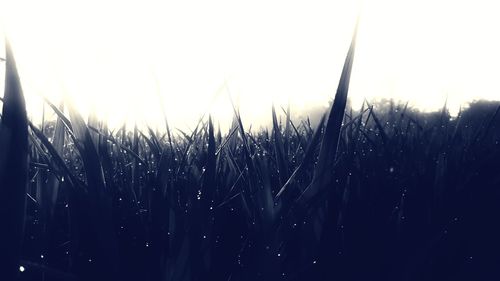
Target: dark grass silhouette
x=13 y=170
x=384 y=193
x=412 y=196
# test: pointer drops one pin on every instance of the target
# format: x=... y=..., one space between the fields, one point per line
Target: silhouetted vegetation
x=383 y=193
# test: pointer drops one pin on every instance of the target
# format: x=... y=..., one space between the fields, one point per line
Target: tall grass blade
x=279 y=147
x=329 y=145
x=13 y=170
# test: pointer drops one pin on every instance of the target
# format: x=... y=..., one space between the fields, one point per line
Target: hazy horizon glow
x=126 y=60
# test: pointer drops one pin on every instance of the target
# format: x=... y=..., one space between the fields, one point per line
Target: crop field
x=381 y=193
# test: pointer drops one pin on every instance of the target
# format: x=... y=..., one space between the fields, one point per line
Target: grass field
x=381 y=193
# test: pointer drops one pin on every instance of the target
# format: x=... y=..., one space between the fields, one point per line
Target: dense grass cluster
x=410 y=196
x=384 y=193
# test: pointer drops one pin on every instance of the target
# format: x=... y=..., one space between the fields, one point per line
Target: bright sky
x=118 y=57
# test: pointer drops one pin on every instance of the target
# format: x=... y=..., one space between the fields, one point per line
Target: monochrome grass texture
x=383 y=193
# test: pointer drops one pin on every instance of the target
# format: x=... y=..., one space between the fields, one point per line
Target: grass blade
x=13 y=170
x=279 y=150
x=328 y=150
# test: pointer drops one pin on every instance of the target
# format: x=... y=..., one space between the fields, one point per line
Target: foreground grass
x=409 y=196
x=385 y=193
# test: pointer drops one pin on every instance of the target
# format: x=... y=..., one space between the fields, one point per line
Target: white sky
x=116 y=57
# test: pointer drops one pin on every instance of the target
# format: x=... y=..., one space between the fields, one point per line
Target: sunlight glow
x=126 y=60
